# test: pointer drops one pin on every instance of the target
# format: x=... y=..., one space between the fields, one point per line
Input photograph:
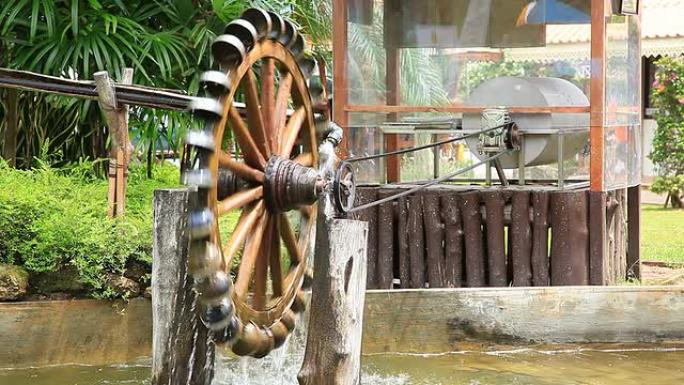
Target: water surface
x=653 y=366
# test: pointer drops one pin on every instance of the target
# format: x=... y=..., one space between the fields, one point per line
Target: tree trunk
x=676 y=200
x=12 y=127
x=149 y=160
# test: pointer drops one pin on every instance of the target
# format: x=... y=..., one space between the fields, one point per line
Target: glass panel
x=622 y=120
x=440 y=50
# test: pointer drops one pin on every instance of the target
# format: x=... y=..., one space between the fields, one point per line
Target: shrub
x=51 y=218
x=668 y=143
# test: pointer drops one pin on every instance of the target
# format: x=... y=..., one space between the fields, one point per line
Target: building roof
x=662 y=33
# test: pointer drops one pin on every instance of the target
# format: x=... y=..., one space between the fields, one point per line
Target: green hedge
x=52 y=218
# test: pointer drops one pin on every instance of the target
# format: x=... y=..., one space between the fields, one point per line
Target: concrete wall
x=423 y=321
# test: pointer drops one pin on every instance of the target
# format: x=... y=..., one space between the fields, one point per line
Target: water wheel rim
x=274 y=50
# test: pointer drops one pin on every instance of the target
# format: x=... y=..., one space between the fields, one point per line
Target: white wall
x=649 y=173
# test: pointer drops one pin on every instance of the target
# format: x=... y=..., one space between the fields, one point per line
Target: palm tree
x=165 y=41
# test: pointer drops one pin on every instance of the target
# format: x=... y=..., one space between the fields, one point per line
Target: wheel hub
x=288 y=185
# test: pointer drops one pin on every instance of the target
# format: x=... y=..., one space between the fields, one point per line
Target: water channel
x=592 y=366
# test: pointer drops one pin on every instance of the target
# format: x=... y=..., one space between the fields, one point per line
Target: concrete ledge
x=421 y=321
x=81 y=331
x=434 y=321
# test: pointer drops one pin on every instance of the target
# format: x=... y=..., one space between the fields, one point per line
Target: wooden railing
x=113 y=98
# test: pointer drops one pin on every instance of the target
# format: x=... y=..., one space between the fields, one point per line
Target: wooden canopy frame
x=600 y=9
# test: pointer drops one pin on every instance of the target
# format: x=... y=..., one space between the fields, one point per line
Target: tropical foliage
x=166 y=42
x=668 y=143
x=421 y=82
x=56 y=219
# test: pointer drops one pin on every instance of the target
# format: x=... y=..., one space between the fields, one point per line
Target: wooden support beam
x=597 y=95
x=182 y=351
x=634 y=232
x=597 y=238
x=333 y=347
x=340 y=84
x=393 y=96
x=116 y=115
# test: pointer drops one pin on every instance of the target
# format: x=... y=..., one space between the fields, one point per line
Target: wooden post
x=521 y=238
x=469 y=205
x=403 y=243
x=434 y=239
x=385 y=271
x=634 y=232
x=370 y=215
x=182 y=353
x=117 y=122
x=453 y=242
x=496 y=253
x=569 y=238
x=416 y=241
x=333 y=346
x=597 y=238
x=540 y=239
x=9 y=152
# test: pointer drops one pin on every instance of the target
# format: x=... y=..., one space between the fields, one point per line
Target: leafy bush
x=668 y=143
x=51 y=218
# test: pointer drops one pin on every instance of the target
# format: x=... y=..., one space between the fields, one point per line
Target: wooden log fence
x=473 y=236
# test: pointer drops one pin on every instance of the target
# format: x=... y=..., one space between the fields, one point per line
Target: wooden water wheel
x=252 y=223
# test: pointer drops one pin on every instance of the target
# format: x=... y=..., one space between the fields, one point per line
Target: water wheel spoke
x=305 y=159
x=281 y=103
x=268 y=101
x=245 y=226
x=249 y=257
x=289 y=238
x=291 y=132
x=241 y=169
x=256 y=123
x=275 y=262
x=261 y=267
x=250 y=151
x=240 y=199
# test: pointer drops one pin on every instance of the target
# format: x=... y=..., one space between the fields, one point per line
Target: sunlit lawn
x=662 y=234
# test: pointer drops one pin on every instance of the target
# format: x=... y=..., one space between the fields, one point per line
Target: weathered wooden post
x=182 y=353
x=333 y=347
x=117 y=122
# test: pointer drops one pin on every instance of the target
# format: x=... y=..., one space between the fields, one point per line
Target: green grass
x=662 y=234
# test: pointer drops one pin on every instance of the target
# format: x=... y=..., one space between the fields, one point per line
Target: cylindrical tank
x=540 y=130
